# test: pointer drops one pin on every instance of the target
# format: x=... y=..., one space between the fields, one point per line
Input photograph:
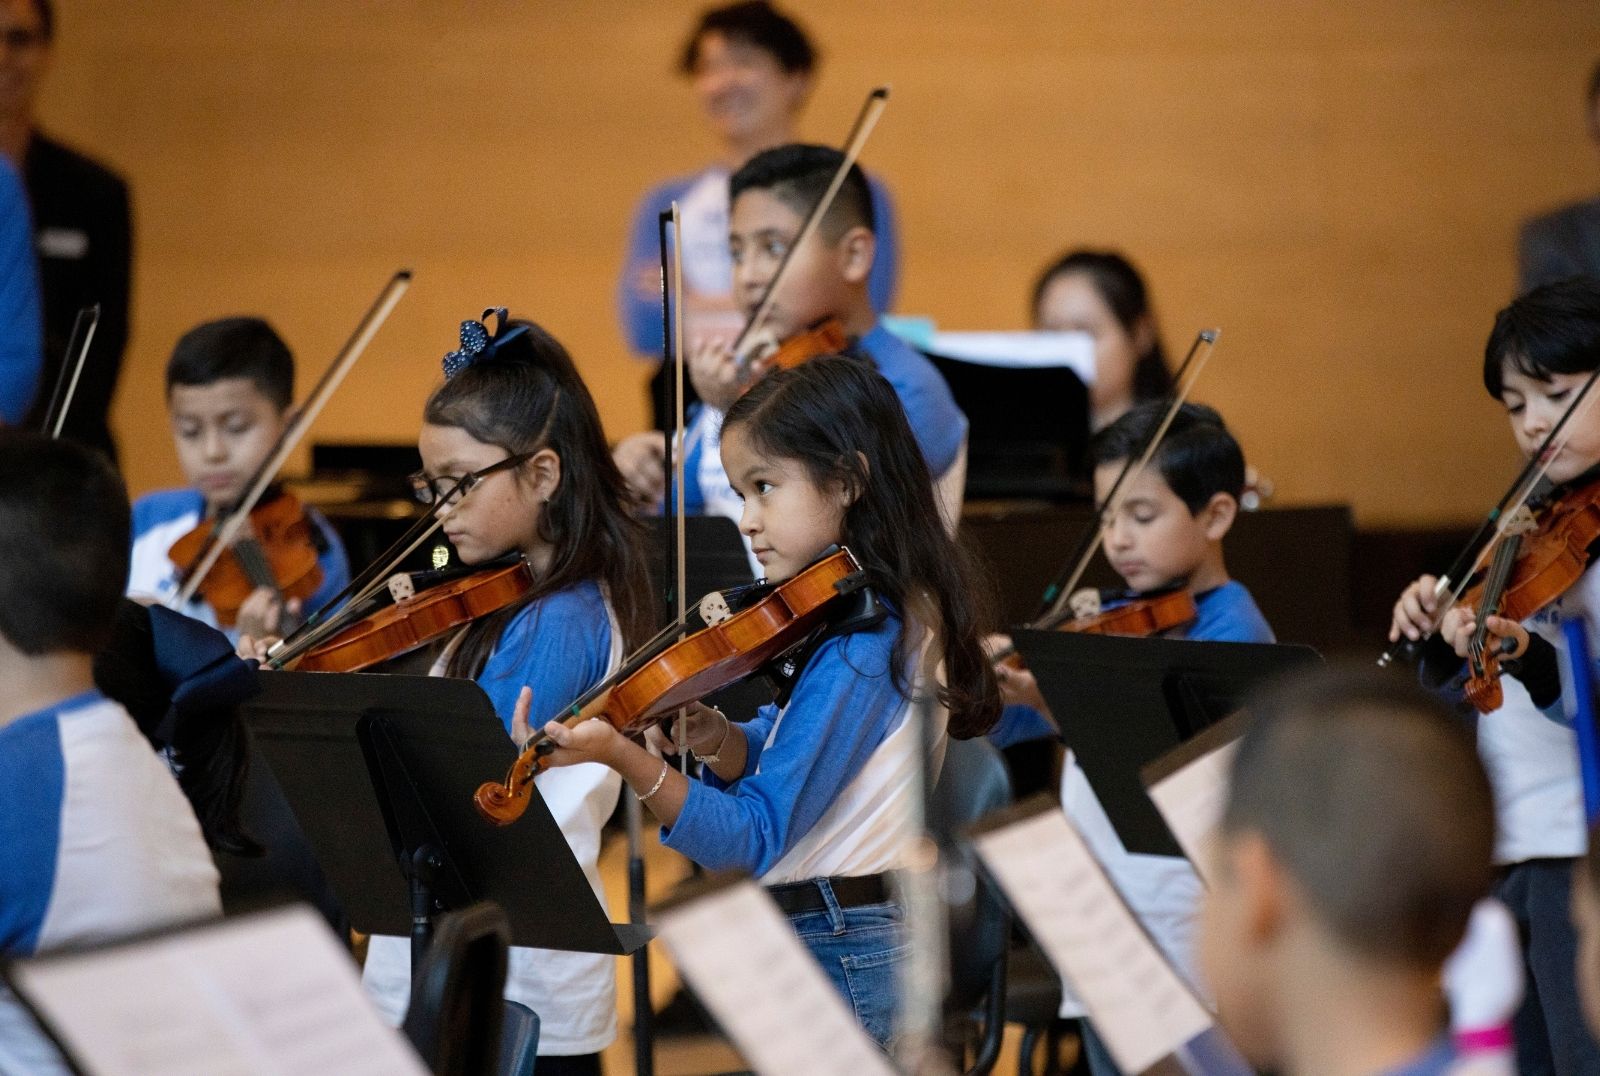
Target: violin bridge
x=401 y=588
x=1084 y=603
x=714 y=609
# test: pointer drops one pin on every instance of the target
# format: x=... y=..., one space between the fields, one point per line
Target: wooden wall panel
x=1337 y=186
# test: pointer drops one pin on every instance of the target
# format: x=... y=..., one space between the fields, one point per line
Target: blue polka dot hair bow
x=477 y=344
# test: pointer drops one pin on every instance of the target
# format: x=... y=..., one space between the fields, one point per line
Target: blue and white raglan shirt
x=561 y=645
x=937 y=423
x=828 y=778
x=99 y=842
x=21 y=306
x=161 y=518
x=1163 y=891
x=708 y=267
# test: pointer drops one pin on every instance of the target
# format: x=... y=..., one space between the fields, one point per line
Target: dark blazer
x=84 y=238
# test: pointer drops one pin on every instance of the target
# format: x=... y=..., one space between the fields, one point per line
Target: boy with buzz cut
x=99 y=840
x=1167 y=532
x=1356 y=839
x=828 y=278
x=230 y=384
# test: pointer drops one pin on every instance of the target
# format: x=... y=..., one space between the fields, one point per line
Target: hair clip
x=477 y=344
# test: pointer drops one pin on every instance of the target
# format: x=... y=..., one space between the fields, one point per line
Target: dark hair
x=1554 y=329
x=66 y=507
x=1123 y=289
x=209 y=745
x=754 y=22
x=1594 y=86
x=527 y=395
x=797 y=175
x=1198 y=458
x=841 y=420
x=1372 y=797
x=47 y=19
x=234 y=347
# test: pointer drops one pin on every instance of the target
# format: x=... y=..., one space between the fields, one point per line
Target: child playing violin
x=230 y=384
x=515 y=463
x=827 y=278
x=1541 y=350
x=813 y=795
x=1167 y=531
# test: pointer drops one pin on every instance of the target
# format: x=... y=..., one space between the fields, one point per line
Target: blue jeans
x=1551 y=1037
x=861 y=950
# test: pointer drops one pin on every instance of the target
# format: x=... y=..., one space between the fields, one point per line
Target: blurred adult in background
x=1564 y=242
x=81 y=229
x=752 y=70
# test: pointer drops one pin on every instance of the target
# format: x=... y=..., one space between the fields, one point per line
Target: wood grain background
x=1336 y=185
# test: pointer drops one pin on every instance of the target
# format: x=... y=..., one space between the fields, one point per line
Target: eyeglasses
x=449 y=489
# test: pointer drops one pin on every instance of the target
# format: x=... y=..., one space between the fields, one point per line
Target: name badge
x=63 y=242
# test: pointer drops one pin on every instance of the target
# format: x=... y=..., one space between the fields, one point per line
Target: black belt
x=802 y=898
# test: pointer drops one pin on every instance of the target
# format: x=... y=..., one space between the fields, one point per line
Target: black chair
x=519 y=1040
x=972 y=784
x=456 y=1011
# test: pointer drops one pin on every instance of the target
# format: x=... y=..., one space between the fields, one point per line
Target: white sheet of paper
x=1074 y=350
x=1191 y=801
x=271 y=994
x=766 y=991
x=1140 y=1006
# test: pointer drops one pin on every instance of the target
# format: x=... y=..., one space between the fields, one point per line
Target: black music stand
x=380 y=772
x=1122 y=703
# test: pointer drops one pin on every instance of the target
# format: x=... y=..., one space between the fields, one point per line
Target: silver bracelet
x=665 y=767
x=717 y=755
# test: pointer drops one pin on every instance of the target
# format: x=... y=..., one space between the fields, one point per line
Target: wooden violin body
x=1140 y=617
x=1543 y=557
x=411 y=622
x=688 y=670
x=277 y=550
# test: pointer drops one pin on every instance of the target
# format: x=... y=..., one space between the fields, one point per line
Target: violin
x=1536 y=559
x=1139 y=618
x=647 y=689
x=276 y=549
x=827 y=337
x=416 y=619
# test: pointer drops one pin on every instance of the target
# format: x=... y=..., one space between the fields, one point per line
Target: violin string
x=1188 y=374
x=223 y=534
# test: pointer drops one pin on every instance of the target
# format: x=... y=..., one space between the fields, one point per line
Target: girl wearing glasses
x=516 y=464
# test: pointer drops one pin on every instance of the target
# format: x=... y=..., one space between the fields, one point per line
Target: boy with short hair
x=1355 y=842
x=1168 y=532
x=828 y=278
x=230 y=385
x=99 y=840
x=1543 y=347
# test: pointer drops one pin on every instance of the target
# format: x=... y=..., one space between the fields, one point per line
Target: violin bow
x=72 y=361
x=1453 y=583
x=860 y=131
x=1060 y=590
x=228 y=529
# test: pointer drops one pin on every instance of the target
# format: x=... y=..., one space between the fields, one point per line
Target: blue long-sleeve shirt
x=707 y=266
x=844 y=705
x=559 y=645
x=21 y=319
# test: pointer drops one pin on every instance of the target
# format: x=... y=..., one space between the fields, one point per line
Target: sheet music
x=1139 y=1005
x=1191 y=800
x=766 y=991
x=1073 y=350
x=272 y=994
